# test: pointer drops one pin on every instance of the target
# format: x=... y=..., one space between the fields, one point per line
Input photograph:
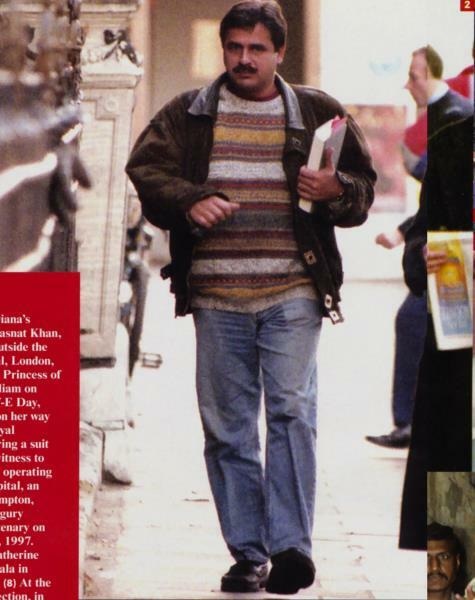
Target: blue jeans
x=411 y=323
x=261 y=511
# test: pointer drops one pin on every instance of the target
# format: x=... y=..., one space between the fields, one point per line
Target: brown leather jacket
x=169 y=168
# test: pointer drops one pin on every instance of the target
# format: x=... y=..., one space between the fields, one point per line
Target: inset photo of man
x=450 y=536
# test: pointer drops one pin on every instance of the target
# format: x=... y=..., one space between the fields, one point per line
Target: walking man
x=223 y=169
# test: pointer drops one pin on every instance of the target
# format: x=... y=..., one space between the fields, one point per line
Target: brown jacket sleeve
x=157 y=168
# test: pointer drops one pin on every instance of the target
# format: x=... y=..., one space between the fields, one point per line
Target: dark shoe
x=245 y=576
x=399 y=438
x=291 y=570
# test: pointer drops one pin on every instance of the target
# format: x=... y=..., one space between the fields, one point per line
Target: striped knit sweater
x=250 y=261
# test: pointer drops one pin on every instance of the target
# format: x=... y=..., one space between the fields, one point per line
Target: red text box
x=39 y=435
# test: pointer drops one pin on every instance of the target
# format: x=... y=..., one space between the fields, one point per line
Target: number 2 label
x=467 y=5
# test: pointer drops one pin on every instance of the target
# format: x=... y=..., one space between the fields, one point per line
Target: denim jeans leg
x=411 y=322
x=288 y=336
x=229 y=391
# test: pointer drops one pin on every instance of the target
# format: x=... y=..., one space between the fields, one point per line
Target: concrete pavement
x=159 y=537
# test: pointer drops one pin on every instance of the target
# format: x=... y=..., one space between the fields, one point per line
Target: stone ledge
x=90 y=474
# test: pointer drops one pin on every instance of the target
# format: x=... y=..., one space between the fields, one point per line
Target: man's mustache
x=437 y=575
x=244 y=69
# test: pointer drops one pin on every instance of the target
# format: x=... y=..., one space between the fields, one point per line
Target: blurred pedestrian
x=444 y=106
x=223 y=168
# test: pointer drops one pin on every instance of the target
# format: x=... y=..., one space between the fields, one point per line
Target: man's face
x=251 y=61
x=442 y=565
x=418 y=80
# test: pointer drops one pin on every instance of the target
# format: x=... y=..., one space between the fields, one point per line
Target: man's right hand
x=389 y=239
x=434 y=259
x=212 y=210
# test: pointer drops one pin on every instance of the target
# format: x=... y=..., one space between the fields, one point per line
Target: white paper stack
x=329 y=135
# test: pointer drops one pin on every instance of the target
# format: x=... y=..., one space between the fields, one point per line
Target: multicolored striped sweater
x=250 y=261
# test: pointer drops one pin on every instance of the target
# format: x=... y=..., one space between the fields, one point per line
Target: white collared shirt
x=441 y=89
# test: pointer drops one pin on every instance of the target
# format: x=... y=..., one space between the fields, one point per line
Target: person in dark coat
x=442 y=420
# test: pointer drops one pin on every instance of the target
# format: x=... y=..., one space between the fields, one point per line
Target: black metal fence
x=40 y=125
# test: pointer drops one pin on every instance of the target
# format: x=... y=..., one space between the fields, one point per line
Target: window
x=207 y=62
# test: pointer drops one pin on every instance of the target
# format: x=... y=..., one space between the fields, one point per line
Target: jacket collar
x=206 y=102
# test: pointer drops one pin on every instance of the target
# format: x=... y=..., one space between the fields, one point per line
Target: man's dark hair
x=247 y=14
x=433 y=60
x=438 y=532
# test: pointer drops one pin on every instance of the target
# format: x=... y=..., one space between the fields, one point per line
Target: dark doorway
x=292 y=68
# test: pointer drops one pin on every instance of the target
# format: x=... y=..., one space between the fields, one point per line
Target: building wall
x=172 y=45
x=293 y=67
x=141 y=38
x=163 y=32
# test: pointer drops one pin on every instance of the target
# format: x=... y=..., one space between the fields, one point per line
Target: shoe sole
x=402 y=444
x=237 y=586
